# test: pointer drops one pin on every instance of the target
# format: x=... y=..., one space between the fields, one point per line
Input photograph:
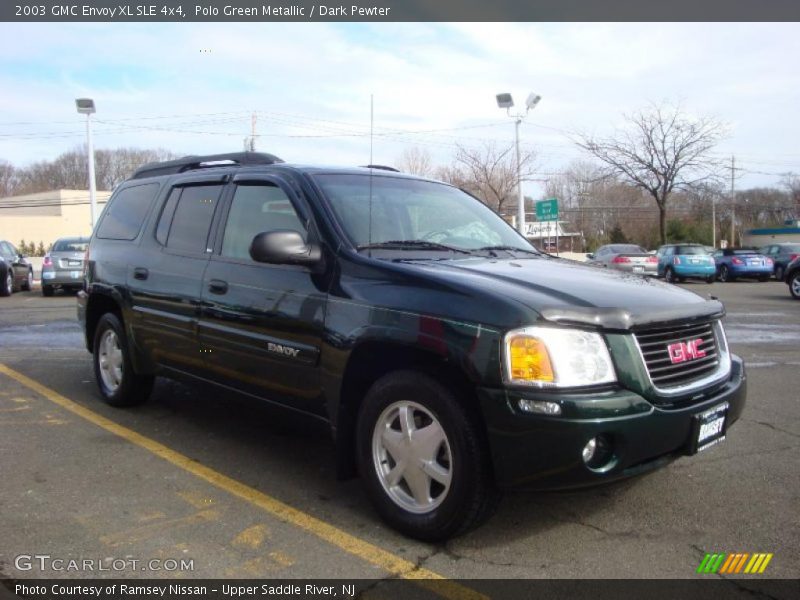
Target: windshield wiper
x=411 y=245
x=509 y=248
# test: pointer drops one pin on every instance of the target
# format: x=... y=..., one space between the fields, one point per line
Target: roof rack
x=381 y=167
x=188 y=163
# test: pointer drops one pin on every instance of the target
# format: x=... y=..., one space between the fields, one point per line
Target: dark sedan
x=781 y=254
x=733 y=263
x=16 y=273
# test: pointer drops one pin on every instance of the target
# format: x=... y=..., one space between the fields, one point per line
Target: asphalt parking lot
x=243 y=491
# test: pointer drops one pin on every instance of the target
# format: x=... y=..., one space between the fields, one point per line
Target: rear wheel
x=669 y=275
x=710 y=279
x=27 y=285
x=794 y=285
x=47 y=290
x=779 y=272
x=424 y=463
x=118 y=383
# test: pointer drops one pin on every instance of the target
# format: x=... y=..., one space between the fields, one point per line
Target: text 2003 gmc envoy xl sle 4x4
x=450 y=357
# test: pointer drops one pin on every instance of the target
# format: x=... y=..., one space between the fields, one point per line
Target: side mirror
x=590 y=256
x=283 y=247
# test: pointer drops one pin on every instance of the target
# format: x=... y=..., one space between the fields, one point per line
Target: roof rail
x=188 y=163
x=381 y=167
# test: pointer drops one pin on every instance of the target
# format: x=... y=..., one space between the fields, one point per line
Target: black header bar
x=398 y=10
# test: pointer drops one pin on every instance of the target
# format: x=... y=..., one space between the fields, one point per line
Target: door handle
x=140 y=273
x=217 y=286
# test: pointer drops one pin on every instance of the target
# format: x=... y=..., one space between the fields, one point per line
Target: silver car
x=63 y=265
x=625 y=257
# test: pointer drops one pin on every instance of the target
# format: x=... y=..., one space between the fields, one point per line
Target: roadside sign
x=547 y=210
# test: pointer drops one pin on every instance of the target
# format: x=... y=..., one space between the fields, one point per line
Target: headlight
x=552 y=357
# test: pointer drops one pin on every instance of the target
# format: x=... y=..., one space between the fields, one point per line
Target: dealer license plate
x=708 y=428
x=638 y=269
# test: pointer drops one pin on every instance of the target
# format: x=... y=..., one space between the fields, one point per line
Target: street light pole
x=86 y=106
x=506 y=101
x=521 y=198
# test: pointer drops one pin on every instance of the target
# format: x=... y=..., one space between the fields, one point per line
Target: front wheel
x=47 y=290
x=423 y=460
x=779 y=273
x=7 y=285
x=725 y=274
x=794 y=285
x=118 y=383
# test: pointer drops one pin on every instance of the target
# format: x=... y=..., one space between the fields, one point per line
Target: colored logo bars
x=734 y=563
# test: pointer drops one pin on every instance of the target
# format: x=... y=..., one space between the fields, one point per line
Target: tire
x=47 y=290
x=710 y=279
x=794 y=285
x=118 y=383
x=27 y=285
x=7 y=284
x=725 y=274
x=779 y=272
x=669 y=275
x=462 y=495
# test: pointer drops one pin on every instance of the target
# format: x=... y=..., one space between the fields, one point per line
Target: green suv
x=449 y=357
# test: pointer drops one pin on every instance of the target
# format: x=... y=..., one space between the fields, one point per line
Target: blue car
x=733 y=263
x=678 y=262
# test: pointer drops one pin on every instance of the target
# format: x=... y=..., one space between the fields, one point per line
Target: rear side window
x=124 y=217
x=191 y=218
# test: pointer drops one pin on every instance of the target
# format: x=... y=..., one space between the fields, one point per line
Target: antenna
x=371 y=128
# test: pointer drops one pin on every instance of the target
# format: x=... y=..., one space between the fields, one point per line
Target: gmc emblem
x=683 y=351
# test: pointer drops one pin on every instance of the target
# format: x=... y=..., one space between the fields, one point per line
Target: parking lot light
x=86 y=107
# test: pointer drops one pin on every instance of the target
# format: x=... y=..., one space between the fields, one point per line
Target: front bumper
x=544 y=452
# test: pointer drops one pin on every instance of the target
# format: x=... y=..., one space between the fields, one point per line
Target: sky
x=192 y=88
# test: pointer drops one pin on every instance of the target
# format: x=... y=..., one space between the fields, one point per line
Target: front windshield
x=410 y=210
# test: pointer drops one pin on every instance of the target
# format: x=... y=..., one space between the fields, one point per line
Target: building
x=773 y=235
x=47 y=216
x=550 y=236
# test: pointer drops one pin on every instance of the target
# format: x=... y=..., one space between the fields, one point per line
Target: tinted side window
x=192 y=220
x=124 y=217
x=255 y=209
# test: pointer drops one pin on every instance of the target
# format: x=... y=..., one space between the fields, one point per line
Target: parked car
x=449 y=357
x=792 y=278
x=16 y=273
x=624 y=257
x=781 y=254
x=733 y=263
x=62 y=267
x=685 y=261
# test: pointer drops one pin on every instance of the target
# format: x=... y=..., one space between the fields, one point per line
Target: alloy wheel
x=412 y=457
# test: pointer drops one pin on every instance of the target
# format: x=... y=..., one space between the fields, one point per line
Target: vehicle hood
x=566 y=291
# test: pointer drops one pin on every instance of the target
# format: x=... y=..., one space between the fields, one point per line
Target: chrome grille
x=665 y=374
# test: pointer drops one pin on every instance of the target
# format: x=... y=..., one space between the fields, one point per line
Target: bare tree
x=417 y=161
x=661 y=150
x=8 y=179
x=70 y=169
x=490 y=172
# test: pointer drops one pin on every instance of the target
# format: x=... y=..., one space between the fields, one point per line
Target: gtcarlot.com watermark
x=46 y=563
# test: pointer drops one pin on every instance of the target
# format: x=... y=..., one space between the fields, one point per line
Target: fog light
x=598 y=454
x=589 y=450
x=540 y=406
